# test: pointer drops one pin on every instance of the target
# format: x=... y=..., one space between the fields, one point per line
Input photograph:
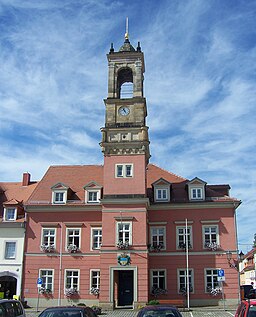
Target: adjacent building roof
x=14 y=193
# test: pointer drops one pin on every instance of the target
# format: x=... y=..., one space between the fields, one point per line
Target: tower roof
x=127 y=47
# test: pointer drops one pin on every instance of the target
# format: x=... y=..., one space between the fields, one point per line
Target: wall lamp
x=233 y=262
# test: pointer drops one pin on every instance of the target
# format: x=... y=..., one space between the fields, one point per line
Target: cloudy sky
x=199 y=84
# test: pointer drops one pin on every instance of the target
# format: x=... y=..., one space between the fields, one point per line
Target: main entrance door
x=125 y=288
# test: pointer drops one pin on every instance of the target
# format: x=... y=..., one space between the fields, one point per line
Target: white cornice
x=195 y=205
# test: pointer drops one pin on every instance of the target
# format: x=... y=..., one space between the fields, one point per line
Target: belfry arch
x=125 y=83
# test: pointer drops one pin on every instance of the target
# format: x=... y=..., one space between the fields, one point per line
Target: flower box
x=123 y=245
x=47 y=247
x=69 y=292
x=72 y=248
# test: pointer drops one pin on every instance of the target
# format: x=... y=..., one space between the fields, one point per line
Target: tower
x=125 y=142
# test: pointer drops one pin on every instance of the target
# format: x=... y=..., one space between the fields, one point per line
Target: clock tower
x=125 y=142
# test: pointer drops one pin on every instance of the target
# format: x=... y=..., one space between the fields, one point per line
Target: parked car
x=11 y=308
x=247 y=308
x=159 y=311
x=68 y=311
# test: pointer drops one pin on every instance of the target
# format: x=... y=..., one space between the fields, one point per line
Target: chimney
x=26 y=179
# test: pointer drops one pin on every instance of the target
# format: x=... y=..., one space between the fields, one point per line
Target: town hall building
x=126 y=232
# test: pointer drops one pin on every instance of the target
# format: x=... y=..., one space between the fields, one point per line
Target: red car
x=247 y=308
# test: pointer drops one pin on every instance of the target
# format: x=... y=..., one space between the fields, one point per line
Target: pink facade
x=124 y=233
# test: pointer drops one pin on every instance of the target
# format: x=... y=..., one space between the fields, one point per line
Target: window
x=73 y=238
x=10 y=214
x=196 y=189
x=158 y=279
x=10 y=250
x=93 y=196
x=181 y=237
x=47 y=277
x=124 y=232
x=210 y=236
x=96 y=238
x=157 y=238
x=48 y=237
x=182 y=275
x=211 y=279
x=95 y=280
x=196 y=193
x=59 y=197
x=72 y=279
x=162 y=190
x=124 y=170
x=161 y=194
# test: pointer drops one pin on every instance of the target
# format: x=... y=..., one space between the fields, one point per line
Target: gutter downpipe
x=237 y=253
x=188 y=299
x=60 y=268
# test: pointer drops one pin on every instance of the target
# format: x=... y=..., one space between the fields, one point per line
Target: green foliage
x=153 y=302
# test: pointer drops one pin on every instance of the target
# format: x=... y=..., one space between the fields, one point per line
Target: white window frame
x=45 y=279
x=92 y=191
x=74 y=236
x=190 y=240
x=184 y=276
x=72 y=279
x=162 y=190
x=196 y=193
x=158 y=276
x=213 y=276
x=8 y=209
x=204 y=227
x=98 y=236
x=158 y=236
x=5 y=250
x=48 y=237
x=97 y=277
x=123 y=223
x=124 y=170
x=58 y=192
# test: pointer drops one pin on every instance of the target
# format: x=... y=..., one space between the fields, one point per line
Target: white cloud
x=199 y=85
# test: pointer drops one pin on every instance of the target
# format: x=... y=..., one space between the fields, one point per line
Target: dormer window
x=10 y=214
x=161 y=190
x=92 y=196
x=196 y=189
x=92 y=193
x=197 y=193
x=161 y=194
x=59 y=193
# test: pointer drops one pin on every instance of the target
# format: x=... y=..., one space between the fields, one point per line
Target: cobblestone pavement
x=198 y=312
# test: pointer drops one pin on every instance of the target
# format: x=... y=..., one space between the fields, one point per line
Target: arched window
x=125 y=83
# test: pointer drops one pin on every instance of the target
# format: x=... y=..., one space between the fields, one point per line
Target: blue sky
x=199 y=83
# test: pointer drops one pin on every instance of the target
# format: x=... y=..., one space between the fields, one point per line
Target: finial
x=138 y=47
x=126 y=36
x=111 y=48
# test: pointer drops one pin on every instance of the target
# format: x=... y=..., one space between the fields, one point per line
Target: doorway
x=8 y=286
x=125 y=288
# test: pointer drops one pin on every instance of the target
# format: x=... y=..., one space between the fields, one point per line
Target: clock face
x=124 y=111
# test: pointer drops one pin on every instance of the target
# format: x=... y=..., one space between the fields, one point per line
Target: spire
x=126 y=47
x=126 y=36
